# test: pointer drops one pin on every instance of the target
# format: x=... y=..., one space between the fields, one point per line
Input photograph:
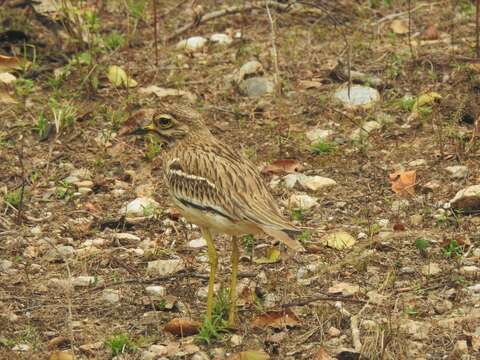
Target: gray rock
x=359 y=96
x=365 y=130
x=5 y=265
x=111 y=295
x=457 y=171
x=316 y=182
x=467 y=199
x=290 y=180
x=165 y=267
x=84 y=281
x=249 y=68
x=303 y=201
x=256 y=86
x=197 y=243
x=416 y=329
x=140 y=207
x=156 y=290
x=221 y=39
x=193 y=43
x=316 y=135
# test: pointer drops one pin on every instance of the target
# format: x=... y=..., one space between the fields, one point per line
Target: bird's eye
x=164 y=121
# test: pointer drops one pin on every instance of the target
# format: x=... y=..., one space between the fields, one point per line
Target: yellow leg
x=233 y=283
x=213 y=260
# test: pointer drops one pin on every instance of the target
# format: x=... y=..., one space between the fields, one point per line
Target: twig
x=452 y=42
x=155 y=35
x=274 y=48
x=477 y=28
x=410 y=28
x=22 y=189
x=219 y=13
x=400 y=14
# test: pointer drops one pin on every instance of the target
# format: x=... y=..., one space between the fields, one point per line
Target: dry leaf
x=322 y=355
x=273 y=256
x=310 y=84
x=250 y=355
x=344 y=288
x=57 y=341
x=61 y=355
x=183 y=327
x=9 y=63
x=426 y=99
x=5 y=98
x=403 y=182
x=276 y=319
x=399 y=227
x=119 y=77
x=399 y=26
x=430 y=33
x=283 y=166
x=338 y=240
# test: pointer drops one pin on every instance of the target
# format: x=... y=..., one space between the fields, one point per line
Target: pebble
x=457 y=171
x=192 y=44
x=431 y=186
x=334 y=332
x=22 y=348
x=416 y=219
x=125 y=238
x=365 y=130
x=316 y=135
x=141 y=206
x=111 y=295
x=83 y=281
x=236 y=340
x=200 y=355
x=357 y=96
x=417 y=163
x=315 y=183
x=84 y=183
x=398 y=205
x=291 y=180
x=5 y=265
x=249 y=68
x=221 y=39
x=165 y=267
x=431 y=269
x=197 y=243
x=467 y=199
x=156 y=290
x=256 y=86
x=416 y=329
x=84 y=191
x=461 y=346
x=302 y=201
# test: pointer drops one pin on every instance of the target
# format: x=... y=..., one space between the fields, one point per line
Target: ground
x=405 y=291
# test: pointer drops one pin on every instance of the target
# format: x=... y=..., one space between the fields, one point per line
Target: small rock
x=302 y=201
x=140 y=207
x=316 y=135
x=442 y=306
x=365 y=130
x=417 y=163
x=416 y=219
x=383 y=223
x=249 y=68
x=221 y=39
x=200 y=355
x=218 y=353
x=344 y=288
x=236 y=340
x=431 y=269
x=407 y=270
x=256 y=86
x=5 y=265
x=202 y=292
x=147 y=355
x=416 y=329
x=467 y=199
x=270 y=300
x=159 y=350
x=22 y=348
x=156 y=290
x=83 y=281
x=315 y=183
x=362 y=235
x=7 y=78
x=358 y=96
x=165 y=267
x=291 y=180
x=84 y=183
x=431 y=186
x=111 y=295
x=36 y=230
x=470 y=272
x=126 y=238
x=60 y=252
x=84 y=191
x=457 y=171
x=197 y=243
x=192 y=44
x=375 y=298
x=334 y=332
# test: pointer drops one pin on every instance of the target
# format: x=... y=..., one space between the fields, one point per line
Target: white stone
x=142 y=206
x=334 y=332
x=36 y=230
x=249 y=68
x=416 y=219
x=467 y=199
x=417 y=163
x=84 y=183
x=357 y=96
x=165 y=267
x=202 y=292
x=193 y=43
x=315 y=183
x=302 y=201
x=362 y=235
x=290 y=180
x=461 y=346
x=126 y=237
x=5 y=265
x=22 y=348
x=159 y=350
x=236 y=340
x=316 y=135
x=257 y=86
x=365 y=130
x=83 y=281
x=457 y=171
x=221 y=39
x=84 y=191
x=197 y=243
x=81 y=174
x=383 y=223
x=111 y=295
x=200 y=355
x=156 y=290
x=7 y=78
x=431 y=269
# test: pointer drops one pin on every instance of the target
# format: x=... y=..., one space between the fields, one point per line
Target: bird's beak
x=142 y=130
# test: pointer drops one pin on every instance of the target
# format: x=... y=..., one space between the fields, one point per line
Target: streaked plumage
x=213 y=185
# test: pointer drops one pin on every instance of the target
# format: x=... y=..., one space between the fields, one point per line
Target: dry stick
x=410 y=28
x=219 y=13
x=155 y=35
x=306 y=301
x=393 y=16
x=477 y=28
x=274 y=48
x=454 y=3
x=22 y=190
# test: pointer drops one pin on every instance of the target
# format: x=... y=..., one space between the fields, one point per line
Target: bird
x=213 y=185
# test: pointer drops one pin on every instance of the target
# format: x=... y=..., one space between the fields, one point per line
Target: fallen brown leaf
x=399 y=26
x=403 y=182
x=61 y=355
x=283 y=166
x=183 y=327
x=310 y=84
x=276 y=319
x=250 y=355
x=57 y=341
x=9 y=63
x=398 y=227
x=430 y=33
x=322 y=355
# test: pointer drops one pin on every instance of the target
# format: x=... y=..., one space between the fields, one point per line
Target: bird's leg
x=233 y=283
x=213 y=261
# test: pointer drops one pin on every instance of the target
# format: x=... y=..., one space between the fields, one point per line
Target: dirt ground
x=402 y=288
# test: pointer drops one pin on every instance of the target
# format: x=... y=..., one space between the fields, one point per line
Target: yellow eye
x=164 y=121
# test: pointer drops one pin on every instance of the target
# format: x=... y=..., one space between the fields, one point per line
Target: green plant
x=154 y=147
x=41 y=126
x=114 y=40
x=452 y=249
x=136 y=8
x=421 y=244
x=323 y=148
x=14 y=197
x=213 y=330
x=120 y=344
x=305 y=236
x=24 y=87
x=248 y=242
x=297 y=214
x=411 y=311
x=64 y=114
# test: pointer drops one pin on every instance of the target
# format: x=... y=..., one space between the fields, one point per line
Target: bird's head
x=170 y=123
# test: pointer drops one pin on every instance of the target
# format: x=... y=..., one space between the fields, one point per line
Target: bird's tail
x=287 y=236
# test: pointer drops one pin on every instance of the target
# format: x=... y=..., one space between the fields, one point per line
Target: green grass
x=421 y=244
x=305 y=237
x=24 y=87
x=120 y=344
x=321 y=147
x=14 y=197
x=214 y=329
x=297 y=214
x=453 y=249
